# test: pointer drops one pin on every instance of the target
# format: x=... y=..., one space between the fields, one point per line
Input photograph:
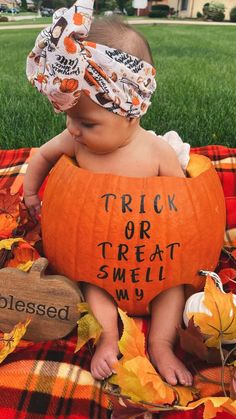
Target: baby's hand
x=33 y=204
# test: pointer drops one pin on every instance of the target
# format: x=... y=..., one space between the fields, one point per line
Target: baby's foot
x=105 y=356
x=168 y=365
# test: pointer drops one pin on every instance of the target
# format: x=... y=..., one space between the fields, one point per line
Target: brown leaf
x=9 y=204
x=27 y=227
x=125 y=409
x=227 y=274
x=5 y=256
x=191 y=340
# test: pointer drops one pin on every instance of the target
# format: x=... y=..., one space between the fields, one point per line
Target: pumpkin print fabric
x=62 y=65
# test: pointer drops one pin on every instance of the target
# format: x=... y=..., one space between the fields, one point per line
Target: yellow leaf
x=25 y=266
x=221 y=323
x=88 y=326
x=132 y=342
x=7 y=243
x=138 y=380
x=9 y=341
x=185 y=394
x=136 y=376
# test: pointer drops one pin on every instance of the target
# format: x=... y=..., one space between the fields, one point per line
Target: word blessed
x=11 y=303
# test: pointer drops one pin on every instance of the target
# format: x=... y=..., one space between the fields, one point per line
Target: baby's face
x=96 y=128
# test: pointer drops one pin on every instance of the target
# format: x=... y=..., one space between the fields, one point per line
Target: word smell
x=11 y=303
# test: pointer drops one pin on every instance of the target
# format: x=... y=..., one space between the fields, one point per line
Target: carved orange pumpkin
x=134 y=237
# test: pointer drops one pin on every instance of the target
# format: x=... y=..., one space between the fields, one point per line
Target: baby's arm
x=40 y=165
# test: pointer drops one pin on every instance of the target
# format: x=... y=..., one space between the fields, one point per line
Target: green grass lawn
x=34 y=20
x=196 y=93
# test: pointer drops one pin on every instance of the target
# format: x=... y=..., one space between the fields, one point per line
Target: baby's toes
x=189 y=379
x=170 y=376
x=184 y=377
x=112 y=361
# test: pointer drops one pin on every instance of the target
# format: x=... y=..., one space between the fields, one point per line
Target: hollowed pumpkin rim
x=197 y=165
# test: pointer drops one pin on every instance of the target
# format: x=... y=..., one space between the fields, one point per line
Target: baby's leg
x=105 y=311
x=166 y=315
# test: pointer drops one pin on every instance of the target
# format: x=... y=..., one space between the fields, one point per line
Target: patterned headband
x=62 y=65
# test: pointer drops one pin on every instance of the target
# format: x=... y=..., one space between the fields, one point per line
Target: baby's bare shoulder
x=157 y=143
x=164 y=155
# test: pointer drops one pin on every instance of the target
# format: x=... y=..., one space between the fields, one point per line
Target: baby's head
x=107 y=60
x=91 y=124
x=114 y=33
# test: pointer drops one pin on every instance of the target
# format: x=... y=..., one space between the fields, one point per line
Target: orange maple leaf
x=23 y=252
x=7 y=225
x=220 y=323
x=9 y=212
x=132 y=342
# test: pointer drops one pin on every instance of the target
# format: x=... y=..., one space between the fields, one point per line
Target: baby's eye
x=88 y=124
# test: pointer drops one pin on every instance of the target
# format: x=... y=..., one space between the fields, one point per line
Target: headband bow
x=62 y=65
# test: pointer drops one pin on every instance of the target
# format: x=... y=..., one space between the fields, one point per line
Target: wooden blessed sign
x=49 y=300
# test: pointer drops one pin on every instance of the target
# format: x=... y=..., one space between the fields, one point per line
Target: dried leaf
x=9 y=341
x=7 y=243
x=88 y=326
x=9 y=204
x=27 y=226
x=221 y=324
x=22 y=254
x=184 y=394
x=192 y=341
x=126 y=409
x=227 y=274
x=25 y=267
x=136 y=376
x=212 y=405
x=5 y=255
x=7 y=225
x=139 y=381
x=132 y=342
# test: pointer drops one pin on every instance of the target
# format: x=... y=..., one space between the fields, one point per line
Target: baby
x=103 y=104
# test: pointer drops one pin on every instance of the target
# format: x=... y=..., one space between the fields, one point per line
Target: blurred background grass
x=196 y=94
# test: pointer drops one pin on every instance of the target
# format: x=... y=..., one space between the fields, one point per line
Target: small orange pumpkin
x=134 y=237
x=68 y=85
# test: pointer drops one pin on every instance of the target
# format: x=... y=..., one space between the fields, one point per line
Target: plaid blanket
x=48 y=380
